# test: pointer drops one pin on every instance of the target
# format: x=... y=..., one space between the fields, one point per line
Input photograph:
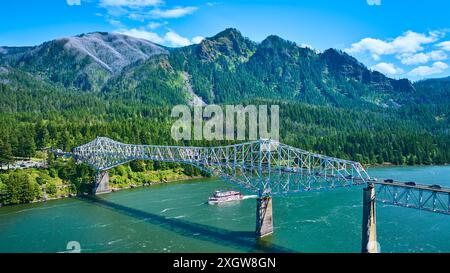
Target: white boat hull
x=225 y=199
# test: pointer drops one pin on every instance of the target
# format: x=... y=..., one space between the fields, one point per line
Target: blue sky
x=401 y=38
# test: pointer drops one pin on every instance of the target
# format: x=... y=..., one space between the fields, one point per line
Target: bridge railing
x=423 y=197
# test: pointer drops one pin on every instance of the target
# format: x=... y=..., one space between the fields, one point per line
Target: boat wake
x=250 y=196
x=166 y=209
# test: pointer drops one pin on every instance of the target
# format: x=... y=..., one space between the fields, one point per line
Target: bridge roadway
x=417 y=186
x=376 y=181
x=419 y=196
x=430 y=198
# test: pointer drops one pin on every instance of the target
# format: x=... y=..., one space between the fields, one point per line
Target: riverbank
x=113 y=189
x=41 y=185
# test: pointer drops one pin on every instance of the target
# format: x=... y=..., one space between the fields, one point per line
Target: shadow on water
x=242 y=239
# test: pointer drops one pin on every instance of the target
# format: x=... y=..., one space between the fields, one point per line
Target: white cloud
x=197 y=39
x=142 y=34
x=307 y=46
x=141 y=14
x=408 y=42
x=136 y=17
x=155 y=25
x=387 y=68
x=422 y=71
x=115 y=23
x=375 y=46
x=73 y=2
x=171 y=38
x=173 y=13
x=374 y=2
x=174 y=39
x=444 y=45
x=421 y=58
x=129 y=3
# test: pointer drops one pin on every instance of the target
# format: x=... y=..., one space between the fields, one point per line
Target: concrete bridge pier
x=101 y=183
x=369 y=225
x=264 y=219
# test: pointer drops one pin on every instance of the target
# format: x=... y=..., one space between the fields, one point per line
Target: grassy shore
x=48 y=184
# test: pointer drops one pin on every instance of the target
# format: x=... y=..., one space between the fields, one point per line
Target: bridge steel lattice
x=263 y=166
x=422 y=197
x=268 y=168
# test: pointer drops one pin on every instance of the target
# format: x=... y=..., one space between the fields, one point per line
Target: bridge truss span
x=263 y=166
x=420 y=197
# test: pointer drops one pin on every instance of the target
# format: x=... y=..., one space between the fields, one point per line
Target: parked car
x=435 y=186
x=389 y=180
x=410 y=183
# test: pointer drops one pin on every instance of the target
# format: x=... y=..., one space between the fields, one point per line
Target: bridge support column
x=264 y=220
x=101 y=183
x=369 y=242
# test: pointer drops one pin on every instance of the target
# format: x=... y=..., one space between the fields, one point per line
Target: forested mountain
x=85 y=61
x=433 y=91
x=226 y=67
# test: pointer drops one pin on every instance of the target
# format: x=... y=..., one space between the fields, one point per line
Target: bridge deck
x=417 y=186
x=423 y=197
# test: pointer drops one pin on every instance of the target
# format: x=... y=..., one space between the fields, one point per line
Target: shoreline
x=389 y=165
x=70 y=195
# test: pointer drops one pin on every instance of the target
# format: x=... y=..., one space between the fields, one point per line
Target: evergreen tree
x=20 y=189
x=6 y=156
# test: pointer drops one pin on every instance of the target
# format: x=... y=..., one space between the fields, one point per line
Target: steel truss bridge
x=268 y=168
x=262 y=166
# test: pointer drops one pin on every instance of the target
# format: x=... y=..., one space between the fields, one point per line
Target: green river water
x=174 y=217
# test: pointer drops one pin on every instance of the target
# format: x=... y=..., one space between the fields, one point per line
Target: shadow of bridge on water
x=244 y=240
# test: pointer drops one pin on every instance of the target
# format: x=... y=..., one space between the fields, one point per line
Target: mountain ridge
x=223 y=68
x=85 y=61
